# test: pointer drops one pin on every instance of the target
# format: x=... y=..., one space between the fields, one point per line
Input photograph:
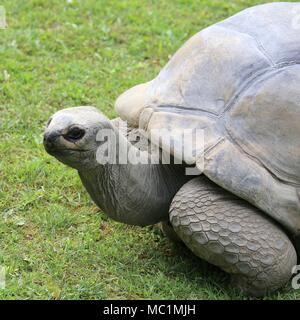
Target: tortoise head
x=70 y=135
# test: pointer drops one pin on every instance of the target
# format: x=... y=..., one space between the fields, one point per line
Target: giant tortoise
x=239 y=82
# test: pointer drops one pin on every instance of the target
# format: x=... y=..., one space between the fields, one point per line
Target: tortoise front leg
x=233 y=235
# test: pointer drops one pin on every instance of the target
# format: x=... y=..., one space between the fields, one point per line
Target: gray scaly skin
x=214 y=224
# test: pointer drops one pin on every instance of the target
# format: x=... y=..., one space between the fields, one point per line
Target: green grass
x=55 y=244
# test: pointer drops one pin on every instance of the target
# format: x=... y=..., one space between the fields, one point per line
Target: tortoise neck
x=137 y=194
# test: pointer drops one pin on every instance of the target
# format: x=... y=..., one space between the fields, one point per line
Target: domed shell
x=212 y=69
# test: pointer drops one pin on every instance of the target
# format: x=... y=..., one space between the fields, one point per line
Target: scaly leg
x=230 y=233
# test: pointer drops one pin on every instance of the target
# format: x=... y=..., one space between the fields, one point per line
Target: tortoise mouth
x=62 y=150
x=54 y=149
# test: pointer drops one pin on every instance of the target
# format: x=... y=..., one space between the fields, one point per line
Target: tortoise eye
x=75 y=134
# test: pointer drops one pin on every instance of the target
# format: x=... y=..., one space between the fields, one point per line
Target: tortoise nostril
x=49 y=139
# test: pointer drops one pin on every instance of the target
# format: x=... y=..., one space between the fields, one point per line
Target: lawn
x=55 y=243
